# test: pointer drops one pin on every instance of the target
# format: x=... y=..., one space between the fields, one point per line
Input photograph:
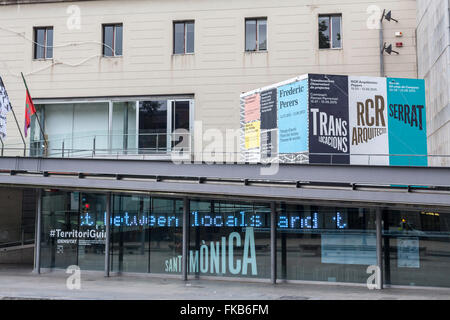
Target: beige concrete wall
x=433 y=50
x=218 y=71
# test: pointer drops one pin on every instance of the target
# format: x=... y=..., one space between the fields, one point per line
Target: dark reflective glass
x=119 y=40
x=250 y=35
x=262 y=34
x=325 y=243
x=190 y=37
x=336 y=29
x=152 y=126
x=39 y=43
x=49 y=48
x=108 y=41
x=178 y=38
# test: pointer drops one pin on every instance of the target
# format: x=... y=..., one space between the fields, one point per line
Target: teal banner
x=407 y=122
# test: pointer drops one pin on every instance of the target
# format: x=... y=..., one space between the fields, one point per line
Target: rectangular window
x=43 y=43
x=112 y=40
x=183 y=37
x=256 y=34
x=330 y=34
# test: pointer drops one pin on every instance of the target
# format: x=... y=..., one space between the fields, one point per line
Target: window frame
x=45 y=46
x=256 y=19
x=114 y=26
x=330 y=29
x=185 y=23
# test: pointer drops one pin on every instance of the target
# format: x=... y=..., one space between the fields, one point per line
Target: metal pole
x=37 y=243
x=273 y=243
x=37 y=117
x=3 y=146
x=381 y=48
x=379 y=246
x=184 y=260
x=108 y=234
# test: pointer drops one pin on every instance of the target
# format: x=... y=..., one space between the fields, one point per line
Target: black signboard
x=269 y=109
x=329 y=140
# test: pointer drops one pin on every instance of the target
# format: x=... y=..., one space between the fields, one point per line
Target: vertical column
x=273 y=242
x=37 y=243
x=108 y=234
x=185 y=244
x=379 y=246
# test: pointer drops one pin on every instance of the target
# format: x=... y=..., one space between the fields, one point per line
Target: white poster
x=349 y=249
x=5 y=107
x=369 y=141
x=408 y=253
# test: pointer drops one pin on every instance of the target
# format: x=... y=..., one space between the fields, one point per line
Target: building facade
x=148 y=74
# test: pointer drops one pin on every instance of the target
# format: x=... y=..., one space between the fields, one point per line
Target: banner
x=336 y=119
x=5 y=107
x=328 y=119
x=292 y=107
x=407 y=122
x=368 y=121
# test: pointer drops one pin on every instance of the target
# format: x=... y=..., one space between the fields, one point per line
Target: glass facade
x=233 y=239
x=325 y=243
x=112 y=128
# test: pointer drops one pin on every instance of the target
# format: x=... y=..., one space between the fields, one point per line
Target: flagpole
x=37 y=117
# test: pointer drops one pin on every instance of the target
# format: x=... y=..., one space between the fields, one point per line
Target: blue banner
x=407 y=122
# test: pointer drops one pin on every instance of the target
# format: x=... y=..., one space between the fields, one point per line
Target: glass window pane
x=152 y=126
x=130 y=233
x=40 y=44
x=190 y=37
x=108 y=39
x=336 y=29
x=250 y=35
x=325 y=243
x=91 y=249
x=124 y=128
x=119 y=40
x=178 y=46
x=324 y=32
x=49 y=54
x=58 y=122
x=262 y=34
x=90 y=121
x=239 y=234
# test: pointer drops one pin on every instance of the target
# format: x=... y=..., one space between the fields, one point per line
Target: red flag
x=29 y=111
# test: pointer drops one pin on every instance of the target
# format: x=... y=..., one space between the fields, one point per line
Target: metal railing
x=163 y=145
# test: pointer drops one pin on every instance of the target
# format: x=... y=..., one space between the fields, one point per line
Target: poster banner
x=407 y=124
x=292 y=109
x=252 y=108
x=269 y=109
x=269 y=148
x=5 y=107
x=369 y=140
x=252 y=135
x=328 y=119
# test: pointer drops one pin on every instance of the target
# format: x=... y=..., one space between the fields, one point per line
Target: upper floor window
x=183 y=37
x=330 y=34
x=43 y=43
x=256 y=34
x=112 y=40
